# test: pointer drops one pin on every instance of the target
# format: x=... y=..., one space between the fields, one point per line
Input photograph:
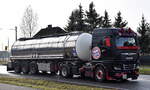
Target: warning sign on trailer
x=96 y=53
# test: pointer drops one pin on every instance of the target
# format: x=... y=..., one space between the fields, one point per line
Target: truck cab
x=115 y=54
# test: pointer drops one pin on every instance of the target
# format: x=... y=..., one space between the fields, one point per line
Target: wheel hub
x=64 y=72
x=99 y=74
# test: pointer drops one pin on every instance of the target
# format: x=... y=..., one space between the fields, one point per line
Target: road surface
x=13 y=87
x=143 y=82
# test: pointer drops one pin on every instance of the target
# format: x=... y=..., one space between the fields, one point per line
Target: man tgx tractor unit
x=106 y=54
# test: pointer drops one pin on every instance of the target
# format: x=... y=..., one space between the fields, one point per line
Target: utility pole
x=16 y=32
x=8 y=45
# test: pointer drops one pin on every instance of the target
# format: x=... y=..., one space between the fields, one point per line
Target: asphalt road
x=142 y=83
x=13 y=87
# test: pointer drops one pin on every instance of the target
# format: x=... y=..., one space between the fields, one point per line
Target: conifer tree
x=76 y=21
x=106 y=23
x=143 y=30
x=71 y=23
x=92 y=17
x=119 y=23
x=80 y=19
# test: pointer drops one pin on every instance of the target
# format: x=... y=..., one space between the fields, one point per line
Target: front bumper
x=116 y=75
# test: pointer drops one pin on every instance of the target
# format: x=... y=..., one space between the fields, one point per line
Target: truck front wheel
x=100 y=74
x=65 y=72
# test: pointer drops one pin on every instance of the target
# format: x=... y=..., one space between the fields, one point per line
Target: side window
x=105 y=41
x=98 y=41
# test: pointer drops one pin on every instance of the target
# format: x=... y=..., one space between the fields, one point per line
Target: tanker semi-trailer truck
x=106 y=54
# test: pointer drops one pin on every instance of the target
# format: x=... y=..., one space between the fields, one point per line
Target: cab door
x=101 y=47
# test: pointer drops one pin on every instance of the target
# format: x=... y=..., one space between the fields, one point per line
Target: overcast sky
x=56 y=12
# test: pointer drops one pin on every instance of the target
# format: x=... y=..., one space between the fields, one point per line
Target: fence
x=4 y=57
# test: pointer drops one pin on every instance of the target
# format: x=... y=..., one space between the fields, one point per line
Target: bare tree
x=29 y=22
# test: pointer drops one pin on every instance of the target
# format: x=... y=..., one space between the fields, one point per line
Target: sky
x=56 y=12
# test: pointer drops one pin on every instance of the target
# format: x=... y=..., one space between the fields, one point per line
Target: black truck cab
x=117 y=52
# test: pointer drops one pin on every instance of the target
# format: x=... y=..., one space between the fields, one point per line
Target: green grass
x=145 y=70
x=46 y=85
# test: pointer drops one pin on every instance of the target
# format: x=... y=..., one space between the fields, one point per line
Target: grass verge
x=145 y=70
x=45 y=85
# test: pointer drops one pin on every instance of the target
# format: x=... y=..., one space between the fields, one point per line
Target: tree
x=29 y=22
x=143 y=30
x=106 y=23
x=80 y=19
x=71 y=23
x=92 y=17
x=119 y=23
x=76 y=21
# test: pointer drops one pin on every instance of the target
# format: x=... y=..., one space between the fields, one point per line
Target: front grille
x=128 y=66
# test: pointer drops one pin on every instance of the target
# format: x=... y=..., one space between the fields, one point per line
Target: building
x=49 y=31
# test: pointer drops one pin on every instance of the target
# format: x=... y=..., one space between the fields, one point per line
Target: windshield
x=125 y=41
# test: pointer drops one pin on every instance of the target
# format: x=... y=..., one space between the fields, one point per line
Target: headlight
x=117 y=68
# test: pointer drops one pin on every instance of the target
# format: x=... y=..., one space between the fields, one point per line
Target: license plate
x=129 y=58
x=124 y=76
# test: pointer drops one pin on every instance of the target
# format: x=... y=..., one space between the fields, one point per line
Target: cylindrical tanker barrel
x=83 y=46
x=59 y=47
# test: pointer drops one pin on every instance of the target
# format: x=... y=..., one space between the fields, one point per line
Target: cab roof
x=114 y=31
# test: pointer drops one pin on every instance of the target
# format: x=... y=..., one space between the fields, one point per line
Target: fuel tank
x=70 y=46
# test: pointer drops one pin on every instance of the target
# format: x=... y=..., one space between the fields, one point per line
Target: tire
x=65 y=72
x=100 y=74
x=33 y=68
x=17 y=67
x=25 y=68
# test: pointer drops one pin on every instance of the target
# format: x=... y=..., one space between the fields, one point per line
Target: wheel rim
x=64 y=72
x=99 y=74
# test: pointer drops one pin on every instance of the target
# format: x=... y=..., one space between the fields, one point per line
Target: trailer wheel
x=33 y=68
x=65 y=72
x=17 y=67
x=25 y=68
x=100 y=74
